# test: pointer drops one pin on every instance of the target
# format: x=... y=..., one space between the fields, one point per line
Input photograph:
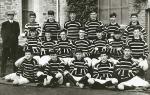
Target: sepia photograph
x=74 y=47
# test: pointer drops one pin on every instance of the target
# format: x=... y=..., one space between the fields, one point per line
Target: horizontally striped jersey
x=117 y=48
x=98 y=43
x=103 y=70
x=125 y=69
x=53 y=28
x=53 y=67
x=34 y=44
x=72 y=28
x=82 y=44
x=47 y=45
x=79 y=68
x=91 y=28
x=64 y=48
x=128 y=34
x=110 y=29
x=139 y=48
x=32 y=26
x=28 y=69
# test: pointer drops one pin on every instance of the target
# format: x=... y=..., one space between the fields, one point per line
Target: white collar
x=11 y=21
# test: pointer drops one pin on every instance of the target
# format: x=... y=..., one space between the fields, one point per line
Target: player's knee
x=91 y=81
x=114 y=81
x=59 y=75
x=39 y=73
x=120 y=86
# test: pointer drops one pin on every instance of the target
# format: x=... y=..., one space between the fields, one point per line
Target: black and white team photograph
x=74 y=47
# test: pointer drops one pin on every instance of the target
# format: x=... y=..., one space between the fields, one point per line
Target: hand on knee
x=114 y=81
x=59 y=75
x=66 y=72
x=120 y=86
x=39 y=73
x=88 y=75
x=91 y=81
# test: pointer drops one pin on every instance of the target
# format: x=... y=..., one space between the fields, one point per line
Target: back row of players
x=95 y=55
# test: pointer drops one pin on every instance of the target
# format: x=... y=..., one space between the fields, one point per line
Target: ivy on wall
x=138 y=5
x=82 y=8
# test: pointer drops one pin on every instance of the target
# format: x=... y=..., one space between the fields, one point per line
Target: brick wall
x=7 y=5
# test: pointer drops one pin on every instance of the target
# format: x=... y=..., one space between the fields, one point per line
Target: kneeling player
x=103 y=73
x=128 y=72
x=79 y=70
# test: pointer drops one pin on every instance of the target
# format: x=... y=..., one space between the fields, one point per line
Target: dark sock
x=71 y=79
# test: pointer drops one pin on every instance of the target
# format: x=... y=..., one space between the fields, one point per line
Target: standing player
x=128 y=34
x=32 y=25
x=92 y=26
x=72 y=26
x=112 y=27
x=51 y=26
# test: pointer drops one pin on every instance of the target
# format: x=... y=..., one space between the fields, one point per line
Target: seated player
x=99 y=45
x=26 y=72
x=128 y=72
x=64 y=46
x=116 y=46
x=103 y=73
x=78 y=71
x=82 y=43
x=52 y=75
x=32 y=43
x=139 y=48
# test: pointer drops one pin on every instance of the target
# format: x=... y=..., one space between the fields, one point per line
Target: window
x=108 y=6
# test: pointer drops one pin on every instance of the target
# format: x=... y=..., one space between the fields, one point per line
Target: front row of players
x=80 y=71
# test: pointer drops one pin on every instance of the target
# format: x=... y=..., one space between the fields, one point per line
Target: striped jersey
x=103 y=70
x=28 y=69
x=53 y=67
x=125 y=69
x=128 y=34
x=115 y=52
x=34 y=44
x=47 y=45
x=139 y=48
x=30 y=26
x=99 y=43
x=110 y=29
x=91 y=28
x=82 y=44
x=72 y=28
x=79 y=68
x=52 y=27
x=64 y=48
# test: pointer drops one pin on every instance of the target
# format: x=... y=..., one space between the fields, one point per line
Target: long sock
x=84 y=80
x=70 y=78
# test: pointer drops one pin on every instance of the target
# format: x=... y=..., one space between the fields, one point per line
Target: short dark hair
x=50 y=12
x=113 y=14
x=93 y=12
x=126 y=47
x=29 y=49
x=78 y=51
x=32 y=14
x=134 y=14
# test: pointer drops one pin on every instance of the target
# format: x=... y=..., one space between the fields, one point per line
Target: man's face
x=48 y=35
x=10 y=16
x=51 y=17
x=93 y=16
x=104 y=57
x=117 y=36
x=81 y=33
x=63 y=35
x=136 y=33
x=72 y=16
x=33 y=33
x=32 y=18
x=99 y=35
x=113 y=19
x=127 y=52
x=53 y=56
x=79 y=55
x=28 y=55
x=134 y=18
